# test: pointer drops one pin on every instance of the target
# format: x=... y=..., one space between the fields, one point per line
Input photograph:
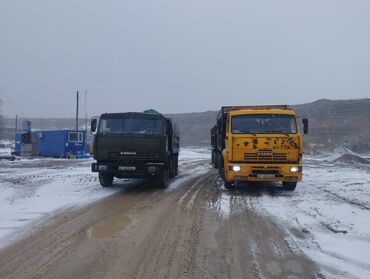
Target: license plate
x=265 y=175
x=126 y=168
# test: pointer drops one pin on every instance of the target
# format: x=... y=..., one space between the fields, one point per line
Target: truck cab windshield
x=130 y=125
x=264 y=124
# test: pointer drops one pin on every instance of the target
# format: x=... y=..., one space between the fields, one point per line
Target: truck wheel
x=220 y=165
x=172 y=168
x=228 y=185
x=214 y=159
x=176 y=166
x=105 y=179
x=289 y=186
x=163 y=179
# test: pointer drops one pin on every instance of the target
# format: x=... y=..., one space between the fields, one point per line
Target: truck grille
x=144 y=156
x=265 y=156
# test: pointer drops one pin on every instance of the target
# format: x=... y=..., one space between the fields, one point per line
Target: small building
x=57 y=143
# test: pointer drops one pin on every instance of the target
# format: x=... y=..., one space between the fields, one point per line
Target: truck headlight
x=236 y=168
x=294 y=169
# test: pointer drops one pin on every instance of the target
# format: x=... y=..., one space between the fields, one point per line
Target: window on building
x=75 y=137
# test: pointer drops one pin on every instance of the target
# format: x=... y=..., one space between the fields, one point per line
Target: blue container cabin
x=57 y=143
x=17 y=145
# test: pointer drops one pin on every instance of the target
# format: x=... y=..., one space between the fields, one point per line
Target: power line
x=18 y=111
x=59 y=107
x=50 y=113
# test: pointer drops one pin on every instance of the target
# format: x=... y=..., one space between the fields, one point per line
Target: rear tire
x=105 y=179
x=289 y=186
x=163 y=179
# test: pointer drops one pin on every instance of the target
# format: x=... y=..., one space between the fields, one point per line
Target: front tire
x=289 y=186
x=214 y=159
x=228 y=185
x=105 y=179
x=176 y=165
x=163 y=178
x=220 y=165
x=172 y=167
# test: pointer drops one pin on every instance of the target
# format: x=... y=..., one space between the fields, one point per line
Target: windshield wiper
x=239 y=131
x=276 y=132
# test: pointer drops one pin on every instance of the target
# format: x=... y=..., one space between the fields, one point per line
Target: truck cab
x=135 y=145
x=258 y=144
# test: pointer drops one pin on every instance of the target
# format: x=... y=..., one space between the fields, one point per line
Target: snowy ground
x=5 y=149
x=327 y=217
x=32 y=190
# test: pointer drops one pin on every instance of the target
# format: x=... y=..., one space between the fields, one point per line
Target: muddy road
x=145 y=232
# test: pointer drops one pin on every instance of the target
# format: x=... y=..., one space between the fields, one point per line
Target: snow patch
x=330 y=208
x=34 y=189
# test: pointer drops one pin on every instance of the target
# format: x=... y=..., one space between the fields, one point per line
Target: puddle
x=111 y=227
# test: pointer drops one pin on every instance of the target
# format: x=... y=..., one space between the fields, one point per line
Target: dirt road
x=145 y=232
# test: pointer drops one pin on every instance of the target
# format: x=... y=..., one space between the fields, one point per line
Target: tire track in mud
x=196 y=230
x=246 y=244
x=36 y=255
x=174 y=247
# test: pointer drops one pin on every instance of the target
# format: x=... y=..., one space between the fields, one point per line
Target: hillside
x=195 y=127
x=332 y=123
x=338 y=123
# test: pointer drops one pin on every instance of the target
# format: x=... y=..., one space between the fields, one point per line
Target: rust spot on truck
x=255 y=143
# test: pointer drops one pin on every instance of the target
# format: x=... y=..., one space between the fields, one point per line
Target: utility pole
x=16 y=125
x=77 y=112
x=85 y=112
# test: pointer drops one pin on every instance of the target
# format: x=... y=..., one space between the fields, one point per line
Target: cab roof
x=262 y=111
x=132 y=114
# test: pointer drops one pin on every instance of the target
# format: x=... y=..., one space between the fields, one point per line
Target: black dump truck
x=135 y=145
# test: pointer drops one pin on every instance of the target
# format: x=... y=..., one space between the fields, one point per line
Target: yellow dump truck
x=258 y=143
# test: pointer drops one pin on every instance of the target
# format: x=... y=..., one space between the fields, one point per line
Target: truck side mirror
x=305 y=125
x=94 y=126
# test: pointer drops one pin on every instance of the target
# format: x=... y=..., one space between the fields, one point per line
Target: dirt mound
x=350 y=158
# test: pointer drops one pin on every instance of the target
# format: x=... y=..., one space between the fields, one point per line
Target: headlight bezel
x=236 y=168
x=294 y=169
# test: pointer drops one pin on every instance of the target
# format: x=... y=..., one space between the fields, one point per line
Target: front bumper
x=134 y=170
x=263 y=173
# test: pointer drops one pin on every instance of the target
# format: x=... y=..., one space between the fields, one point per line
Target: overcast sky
x=180 y=56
